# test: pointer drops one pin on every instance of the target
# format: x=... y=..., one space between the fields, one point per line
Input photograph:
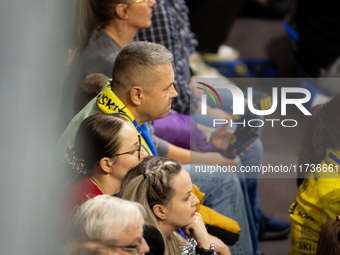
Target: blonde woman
x=164 y=188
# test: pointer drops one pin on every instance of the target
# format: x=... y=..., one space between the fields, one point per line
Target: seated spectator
x=115 y=222
x=329 y=239
x=106 y=147
x=165 y=190
x=319 y=197
x=139 y=67
x=100 y=29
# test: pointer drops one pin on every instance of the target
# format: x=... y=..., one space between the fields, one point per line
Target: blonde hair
x=150 y=183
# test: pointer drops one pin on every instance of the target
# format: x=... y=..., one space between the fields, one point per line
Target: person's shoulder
x=101 y=42
x=76 y=192
x=155 y=240
x=99 y=54
x=67 y=138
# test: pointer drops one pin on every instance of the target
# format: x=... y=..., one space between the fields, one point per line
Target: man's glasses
x=132 y=151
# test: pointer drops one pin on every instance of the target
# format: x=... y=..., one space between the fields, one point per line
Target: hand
x=246 y=149
x=221 y=137
x=198 y=231
x=220 y=247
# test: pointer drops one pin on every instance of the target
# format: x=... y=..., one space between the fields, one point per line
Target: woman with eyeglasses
x=165 y=190
x=100 y=29
x=106 y=147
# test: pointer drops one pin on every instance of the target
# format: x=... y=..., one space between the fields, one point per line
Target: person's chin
x=147 y=24
x=166 y=113
x=163 y=115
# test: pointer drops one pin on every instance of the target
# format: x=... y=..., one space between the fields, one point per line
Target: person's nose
x=143 y=153
x=195 y=201
x=173 y=92
x=144 y=247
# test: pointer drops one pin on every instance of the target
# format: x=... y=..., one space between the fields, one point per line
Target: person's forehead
x=182 y=182
x=164 y=69
x=132 y=232
x=165 y=75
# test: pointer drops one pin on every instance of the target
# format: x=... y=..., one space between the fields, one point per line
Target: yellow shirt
x=317 y=202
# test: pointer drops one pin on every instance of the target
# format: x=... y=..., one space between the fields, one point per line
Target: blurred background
x=32 y=53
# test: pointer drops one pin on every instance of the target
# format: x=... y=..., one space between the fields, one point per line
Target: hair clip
x=76 y=163
x=338 y=219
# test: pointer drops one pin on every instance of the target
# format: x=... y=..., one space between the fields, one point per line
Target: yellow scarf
x=108 y=102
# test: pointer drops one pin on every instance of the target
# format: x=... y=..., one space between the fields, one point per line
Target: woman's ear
x=122 y=11
x=159 y=211
x=136 y=94
x=106 y=165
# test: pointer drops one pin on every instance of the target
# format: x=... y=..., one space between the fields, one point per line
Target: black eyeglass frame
x=129 y=248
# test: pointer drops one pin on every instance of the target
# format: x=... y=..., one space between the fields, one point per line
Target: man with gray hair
x=141 y=87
